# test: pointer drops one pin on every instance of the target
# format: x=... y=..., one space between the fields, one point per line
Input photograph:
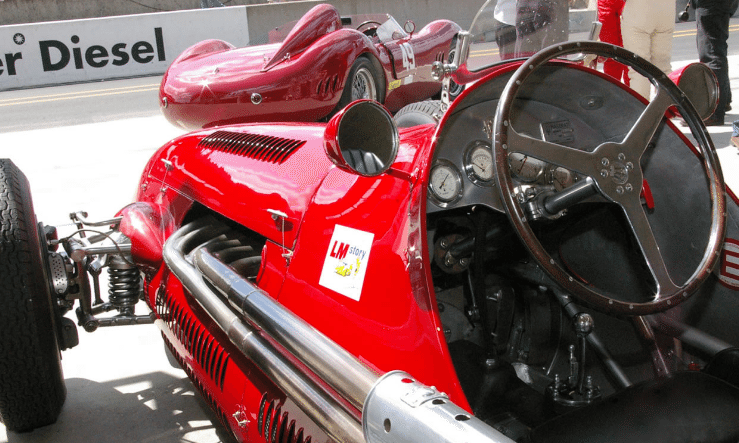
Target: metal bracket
x=279 y=215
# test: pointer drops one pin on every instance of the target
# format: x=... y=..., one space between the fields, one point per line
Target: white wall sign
x=110 y=47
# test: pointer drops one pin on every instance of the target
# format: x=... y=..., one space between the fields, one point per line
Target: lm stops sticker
x=346 y=261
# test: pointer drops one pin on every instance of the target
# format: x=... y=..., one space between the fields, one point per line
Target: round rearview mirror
x=362 y=138
x=409 y=26
x=700 y=86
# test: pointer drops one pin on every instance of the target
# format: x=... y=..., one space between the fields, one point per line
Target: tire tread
x=32 y=388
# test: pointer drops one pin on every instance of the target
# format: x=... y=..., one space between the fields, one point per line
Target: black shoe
x=713 y=121
x=727 y=108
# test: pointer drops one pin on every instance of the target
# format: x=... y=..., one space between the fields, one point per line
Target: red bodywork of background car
x=302 y=78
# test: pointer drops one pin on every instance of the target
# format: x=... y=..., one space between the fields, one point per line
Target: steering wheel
x=369 y=22
x=613 y=171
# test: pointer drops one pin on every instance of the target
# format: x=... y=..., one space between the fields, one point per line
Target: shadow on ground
x=154 y=407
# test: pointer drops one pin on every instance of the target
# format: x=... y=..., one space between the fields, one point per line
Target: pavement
x=121 y=387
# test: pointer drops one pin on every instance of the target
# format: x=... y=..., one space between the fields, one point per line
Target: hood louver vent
x=260 y=147
x=203 y=347
x=276 y=426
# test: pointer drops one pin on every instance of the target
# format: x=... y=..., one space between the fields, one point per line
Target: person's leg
x=638 y=41
x=610 y=32
x=712 y=46
x=505 y=37
x=662 y=49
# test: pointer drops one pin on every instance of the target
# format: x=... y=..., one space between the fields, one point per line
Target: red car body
x=303 y=77
x=408 y=336
x=395 y=324
x=452 y=281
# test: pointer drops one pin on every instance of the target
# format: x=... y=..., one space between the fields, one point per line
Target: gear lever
x=578 y=389
x=583 y=326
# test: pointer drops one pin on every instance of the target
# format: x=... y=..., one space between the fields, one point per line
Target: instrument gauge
x=479 y=163
x=562 y=178
x=525 y=168
x=445 y=184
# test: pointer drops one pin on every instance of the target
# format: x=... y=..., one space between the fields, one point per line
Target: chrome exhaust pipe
x=340 y=369
x=313 y=400
x=360 y=405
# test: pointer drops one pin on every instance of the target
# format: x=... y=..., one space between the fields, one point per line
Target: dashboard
x=563 y=104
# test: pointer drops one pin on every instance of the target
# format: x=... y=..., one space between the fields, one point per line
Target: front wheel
x=361 y=83
x=32 y=389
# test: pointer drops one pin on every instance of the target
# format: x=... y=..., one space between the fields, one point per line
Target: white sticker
x=346 y=261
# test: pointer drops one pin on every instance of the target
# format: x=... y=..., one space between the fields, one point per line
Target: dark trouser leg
x=713 y=33
x=505 y=36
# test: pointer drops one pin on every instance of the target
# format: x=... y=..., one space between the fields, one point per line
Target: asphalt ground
x=121 y=387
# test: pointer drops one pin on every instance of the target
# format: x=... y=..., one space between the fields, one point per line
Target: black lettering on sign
x=10 y=59
x=140 y=52
x=93 y=55
x=120 y=54
x=55 y=55
x=60 y=50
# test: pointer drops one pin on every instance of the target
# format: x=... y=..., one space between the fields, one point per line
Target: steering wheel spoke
x=644 y=235
x=560 y=155
x=637 y=140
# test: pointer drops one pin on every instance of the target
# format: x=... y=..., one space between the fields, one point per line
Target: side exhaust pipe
x=360 y=405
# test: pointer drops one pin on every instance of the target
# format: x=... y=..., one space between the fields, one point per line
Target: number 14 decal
x=409 y=59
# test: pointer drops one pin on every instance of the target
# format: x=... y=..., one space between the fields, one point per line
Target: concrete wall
x=265 y=16
x=262 y=16
x=421 y=11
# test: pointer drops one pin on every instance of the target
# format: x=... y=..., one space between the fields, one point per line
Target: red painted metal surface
x=393 y=325
x=301 y=79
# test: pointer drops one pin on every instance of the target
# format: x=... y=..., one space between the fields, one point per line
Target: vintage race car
x=553 y=260
x=324 y=62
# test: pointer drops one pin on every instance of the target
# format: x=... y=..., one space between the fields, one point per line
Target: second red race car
x=325 y=62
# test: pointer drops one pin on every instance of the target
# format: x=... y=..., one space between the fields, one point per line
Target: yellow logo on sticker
x=394 y=84
x=343 y=270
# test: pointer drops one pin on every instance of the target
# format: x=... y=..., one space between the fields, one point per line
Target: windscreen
x=506 y=29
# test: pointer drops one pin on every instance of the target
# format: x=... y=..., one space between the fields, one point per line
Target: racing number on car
x=409 y=58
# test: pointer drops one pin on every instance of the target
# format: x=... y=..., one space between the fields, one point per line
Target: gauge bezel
x=433 y=196
x=552 y=169
x=469 y=168
x=523 y=179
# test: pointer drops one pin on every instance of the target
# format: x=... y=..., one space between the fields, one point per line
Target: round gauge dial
x=445 y=183
x=562 y=178
x=525 y=168
x=479 y=162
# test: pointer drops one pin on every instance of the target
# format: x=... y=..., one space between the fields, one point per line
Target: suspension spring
x=124 y=285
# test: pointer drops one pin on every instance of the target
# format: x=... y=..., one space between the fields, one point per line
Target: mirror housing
x=409 y=27
x=362 y=138
x=699 y=84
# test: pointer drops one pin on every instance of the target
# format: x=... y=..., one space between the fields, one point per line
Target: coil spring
x=124 y=285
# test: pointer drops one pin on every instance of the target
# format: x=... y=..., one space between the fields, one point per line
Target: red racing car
x=325 y=62
x=553 y=260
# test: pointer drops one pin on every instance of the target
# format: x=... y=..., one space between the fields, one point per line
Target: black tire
x=419 y=113
x=361 y=67
x=32 y=389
